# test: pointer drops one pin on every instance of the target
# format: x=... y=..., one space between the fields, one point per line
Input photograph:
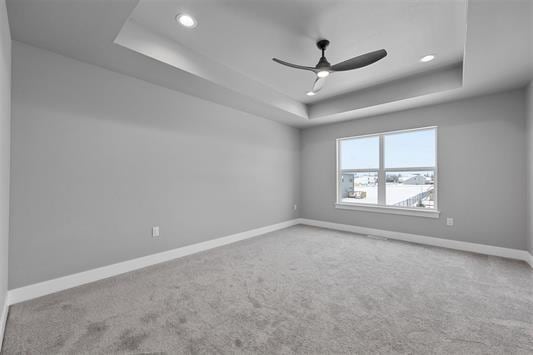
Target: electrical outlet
x=449 y=221
x=155 y=231
x=295 y=207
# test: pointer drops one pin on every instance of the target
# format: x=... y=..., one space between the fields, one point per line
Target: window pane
x=359 y=187
x=410 y=189
x=359 y=153
x=410 y=149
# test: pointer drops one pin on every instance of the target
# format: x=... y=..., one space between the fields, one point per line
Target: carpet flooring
x=299 y=290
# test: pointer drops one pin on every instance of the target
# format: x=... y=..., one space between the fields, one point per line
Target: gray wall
x=5 y=139
x=99 y=157
x=482 y=175
x=529 y=118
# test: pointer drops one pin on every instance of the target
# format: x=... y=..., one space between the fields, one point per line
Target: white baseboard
x=47 y=287
x=530 y=260
x=420 y=239
x=3 y=320
x=55 y=285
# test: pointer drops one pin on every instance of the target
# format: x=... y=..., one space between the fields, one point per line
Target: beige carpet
x=299 y=290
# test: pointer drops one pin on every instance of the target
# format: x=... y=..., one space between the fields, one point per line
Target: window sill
x=390 y=210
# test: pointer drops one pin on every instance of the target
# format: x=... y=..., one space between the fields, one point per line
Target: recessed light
x=322 y=74
x=310 y=93
x=427 y=58
x=186 y=20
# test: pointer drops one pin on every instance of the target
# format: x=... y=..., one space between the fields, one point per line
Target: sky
x=402 y=150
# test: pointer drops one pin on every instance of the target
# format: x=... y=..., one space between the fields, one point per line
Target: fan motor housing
x=323 y=63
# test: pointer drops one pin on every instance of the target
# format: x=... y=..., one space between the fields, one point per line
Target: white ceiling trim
x=139 y=39
x=142 y=40
x=439 y=80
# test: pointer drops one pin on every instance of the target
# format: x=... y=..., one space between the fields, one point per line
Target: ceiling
x=244 y=35
x=481 y=46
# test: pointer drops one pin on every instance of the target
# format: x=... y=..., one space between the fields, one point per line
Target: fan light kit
x=323 y=69
x=427 y=58
x=186 y=20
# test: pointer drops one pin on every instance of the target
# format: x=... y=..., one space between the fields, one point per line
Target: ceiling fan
x=323 y=68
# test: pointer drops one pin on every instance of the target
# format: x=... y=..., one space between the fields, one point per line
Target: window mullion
x=381 y=172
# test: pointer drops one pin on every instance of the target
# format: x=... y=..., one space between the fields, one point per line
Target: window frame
x=381 y=206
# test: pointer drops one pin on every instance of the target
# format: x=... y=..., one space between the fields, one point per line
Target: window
x=393 y=172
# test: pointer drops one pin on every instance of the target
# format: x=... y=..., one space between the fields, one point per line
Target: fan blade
x=319 y=84
x=293 y=65
x=360 y=61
